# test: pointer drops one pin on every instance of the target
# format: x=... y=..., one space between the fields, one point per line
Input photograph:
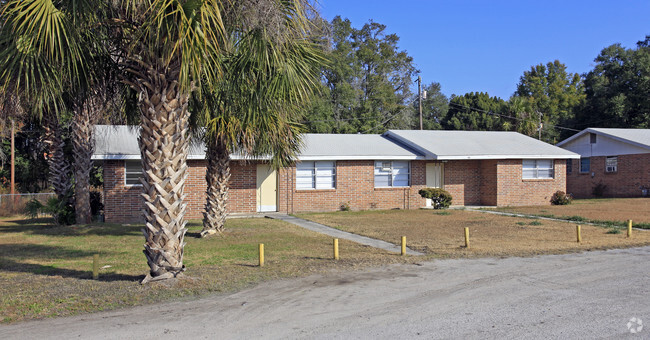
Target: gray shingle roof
x=121 y=142
x=638 y=137
x=457 y=145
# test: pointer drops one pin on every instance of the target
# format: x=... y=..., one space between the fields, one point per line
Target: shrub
x=33 y=208
x=561 y=198
x=345 y=206
x=440 y=198
x=599 y=190
x=61 y=210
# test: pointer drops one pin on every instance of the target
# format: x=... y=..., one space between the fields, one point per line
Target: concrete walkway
x=323 y=229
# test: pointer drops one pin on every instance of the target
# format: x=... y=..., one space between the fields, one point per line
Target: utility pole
x=420 y=98
x=539 y=127
x=13 y=161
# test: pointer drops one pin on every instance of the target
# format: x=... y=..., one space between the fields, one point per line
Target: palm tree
x=41 y=56
x=168 y=48
x=270 y=70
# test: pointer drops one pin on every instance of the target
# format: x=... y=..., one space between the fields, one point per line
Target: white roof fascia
x=479 y=157
x=358 y=158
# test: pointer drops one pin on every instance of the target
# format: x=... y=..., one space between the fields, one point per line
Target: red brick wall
x=354 y=186
x=633 y=172
x=121 y=203
x=513 y=190
x=489 y=182
x=463 y=182
x=124 y=203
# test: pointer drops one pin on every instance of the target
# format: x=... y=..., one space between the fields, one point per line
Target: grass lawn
x=45 y=270
x=441 y=232
x=613 y=211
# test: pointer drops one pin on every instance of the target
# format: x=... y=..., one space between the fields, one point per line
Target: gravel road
x=587 y=295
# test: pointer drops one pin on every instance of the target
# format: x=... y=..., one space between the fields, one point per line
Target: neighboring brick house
x=359 y=171
x=613 y=163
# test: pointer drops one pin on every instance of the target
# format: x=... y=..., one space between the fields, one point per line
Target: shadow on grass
x=37 y=226
x=39 y=251
x=38 y=269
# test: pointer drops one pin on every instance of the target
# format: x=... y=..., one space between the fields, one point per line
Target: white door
x=267 y=188
x=435 y=177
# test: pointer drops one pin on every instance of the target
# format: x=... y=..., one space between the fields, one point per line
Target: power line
x=506 y=116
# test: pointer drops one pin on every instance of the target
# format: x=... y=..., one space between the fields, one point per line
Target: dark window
x=585 y=164
x=569 y=166
x=592 y=138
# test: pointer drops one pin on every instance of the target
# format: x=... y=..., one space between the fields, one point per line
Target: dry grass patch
x=45 y=270
x=442 y=232
x=604 y=210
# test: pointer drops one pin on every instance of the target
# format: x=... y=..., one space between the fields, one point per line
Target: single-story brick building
x=613 y=163
x=360 y=171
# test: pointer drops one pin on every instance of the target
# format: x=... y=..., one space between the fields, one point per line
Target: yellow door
x=267 y=188
x=435 y=177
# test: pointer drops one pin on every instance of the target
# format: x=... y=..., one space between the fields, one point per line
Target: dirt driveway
x=585 y=295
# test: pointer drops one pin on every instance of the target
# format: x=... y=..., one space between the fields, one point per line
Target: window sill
x=315 y=190
x=390 y=188
x=537 y=179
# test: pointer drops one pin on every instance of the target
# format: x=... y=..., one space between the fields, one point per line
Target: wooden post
x=629 y=228
x=96 y=267
x=466 y=237
x=336 y=248
x=578 y=235
x=403 y=245
x=261 y=252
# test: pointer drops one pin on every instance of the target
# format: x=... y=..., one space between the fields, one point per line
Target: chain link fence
x=15 y=204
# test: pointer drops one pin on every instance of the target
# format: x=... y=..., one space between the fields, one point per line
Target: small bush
x=61 y=210
x=599 y=190
x=561 y=198
x=440 y=198
x=345 y=206
x=33 y=208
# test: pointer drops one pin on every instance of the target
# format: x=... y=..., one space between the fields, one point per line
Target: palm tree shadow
x=39 y=269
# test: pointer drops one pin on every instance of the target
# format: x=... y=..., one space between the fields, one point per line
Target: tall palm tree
x=270 y=69
x=41 y=57
x=169 y=47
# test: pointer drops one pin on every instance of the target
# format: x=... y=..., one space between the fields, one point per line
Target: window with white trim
x=585 y=164
x=316 y=175
x=611 y=164
x=537 y=168
x=392 y=174
x=132 y=172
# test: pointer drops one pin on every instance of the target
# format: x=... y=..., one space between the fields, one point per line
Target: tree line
x=366 y=89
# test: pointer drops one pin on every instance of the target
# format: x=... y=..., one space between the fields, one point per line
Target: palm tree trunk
x=59 y=168
x=83 y=146
x=217 y=176
x=164 y=145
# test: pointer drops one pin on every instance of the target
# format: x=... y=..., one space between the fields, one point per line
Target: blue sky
x=487 y=45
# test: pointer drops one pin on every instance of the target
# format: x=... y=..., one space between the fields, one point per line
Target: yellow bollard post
x=578 y=235
x=629 y=228
x=261 y=251
x=336 y=248
x=96 y=267
x=403 y=245
x=466 y=237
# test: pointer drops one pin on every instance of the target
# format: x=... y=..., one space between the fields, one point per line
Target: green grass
x=535 y=223
x=443 y=213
